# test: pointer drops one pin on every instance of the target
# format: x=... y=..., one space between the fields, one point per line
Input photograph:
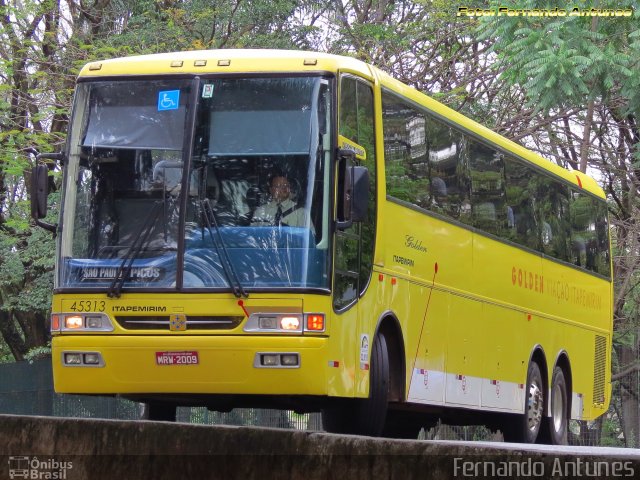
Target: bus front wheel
x=365 y=416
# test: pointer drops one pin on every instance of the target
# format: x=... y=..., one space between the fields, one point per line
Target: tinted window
x=589 y=233
x=552 y=198
x=522 y=220
x=448 y=164
x=432 y=165
x=487 y=189
x=405 y=149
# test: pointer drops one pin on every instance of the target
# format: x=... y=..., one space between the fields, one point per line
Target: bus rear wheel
x=525 y=427
x=161 y=412
x=366 y=416
x=556 y=427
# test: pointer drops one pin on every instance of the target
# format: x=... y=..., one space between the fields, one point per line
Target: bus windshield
x=254 y=214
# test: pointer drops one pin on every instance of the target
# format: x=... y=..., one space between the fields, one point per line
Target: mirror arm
x=50 y=156
x=52 y=227
x=344 y=225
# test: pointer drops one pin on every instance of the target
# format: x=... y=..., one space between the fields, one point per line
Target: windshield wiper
x=225 y=260
x=139 y=241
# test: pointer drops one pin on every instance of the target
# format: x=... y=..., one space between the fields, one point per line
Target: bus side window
x=589 y=233
x=448 y=170
x=405 y=150
x=519 y=197
x=487 y=188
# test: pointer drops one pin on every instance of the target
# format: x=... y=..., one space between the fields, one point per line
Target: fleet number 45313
x=88 y=306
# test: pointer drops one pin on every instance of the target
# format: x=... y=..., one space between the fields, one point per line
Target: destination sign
x=134 y=274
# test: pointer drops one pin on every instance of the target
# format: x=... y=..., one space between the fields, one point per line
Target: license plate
x=177 y=358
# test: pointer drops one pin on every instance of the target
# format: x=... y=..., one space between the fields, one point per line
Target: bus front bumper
x=225 y=365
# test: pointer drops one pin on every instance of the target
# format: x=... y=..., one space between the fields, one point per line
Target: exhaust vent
x=599 y=367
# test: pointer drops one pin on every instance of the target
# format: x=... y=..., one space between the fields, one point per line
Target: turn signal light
x=55 y=322
x=315 y=322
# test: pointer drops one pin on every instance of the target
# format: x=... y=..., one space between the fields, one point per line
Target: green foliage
x=39 y=352
x=566 y=60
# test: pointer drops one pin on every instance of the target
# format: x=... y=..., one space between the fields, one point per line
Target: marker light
x=315 y=322
x=290 y=323
x=55 y=322
x=74 y=321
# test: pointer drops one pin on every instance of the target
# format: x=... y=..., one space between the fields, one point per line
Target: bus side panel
x=466 y=347
x=427 y=361
x=507 y=275
x=427 y=250
x=505 y=357
x=432 y=259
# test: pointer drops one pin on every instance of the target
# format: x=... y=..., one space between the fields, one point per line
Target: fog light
x=94 y=322
x=289 y=359
x=270 y=360
x=73 y=322
x=73 y=359
x=92 y=358
x=290 y=323
x=268 y=323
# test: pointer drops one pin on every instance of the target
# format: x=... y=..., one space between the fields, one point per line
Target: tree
x=580 y=79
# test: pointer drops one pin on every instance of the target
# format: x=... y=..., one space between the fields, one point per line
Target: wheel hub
x=534 y=407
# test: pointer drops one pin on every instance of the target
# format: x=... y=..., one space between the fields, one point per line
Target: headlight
x=80 y=322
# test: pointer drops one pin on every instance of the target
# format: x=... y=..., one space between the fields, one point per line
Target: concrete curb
x=109 y=449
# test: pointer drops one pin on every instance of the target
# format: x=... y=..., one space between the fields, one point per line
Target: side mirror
x=353 y=190
x=40 y=191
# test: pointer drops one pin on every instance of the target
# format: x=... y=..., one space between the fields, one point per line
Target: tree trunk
x=630 y=421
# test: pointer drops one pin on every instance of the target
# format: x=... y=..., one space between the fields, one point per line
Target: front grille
x=161 y=322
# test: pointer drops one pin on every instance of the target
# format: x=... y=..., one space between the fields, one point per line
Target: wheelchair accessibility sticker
x=168 y=100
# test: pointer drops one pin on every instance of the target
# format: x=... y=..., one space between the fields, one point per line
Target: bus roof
x=226 y=60
x=259 y=61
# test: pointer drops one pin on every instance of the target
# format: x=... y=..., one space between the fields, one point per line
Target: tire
x=337 y=420
x=365 y=416
x=160 y=412
x=401 y=425
x=525 y=427
x=556 y=426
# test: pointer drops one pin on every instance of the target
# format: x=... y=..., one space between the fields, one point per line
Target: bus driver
x=281 y=209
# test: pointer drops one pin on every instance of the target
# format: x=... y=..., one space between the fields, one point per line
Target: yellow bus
x=256 y=228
